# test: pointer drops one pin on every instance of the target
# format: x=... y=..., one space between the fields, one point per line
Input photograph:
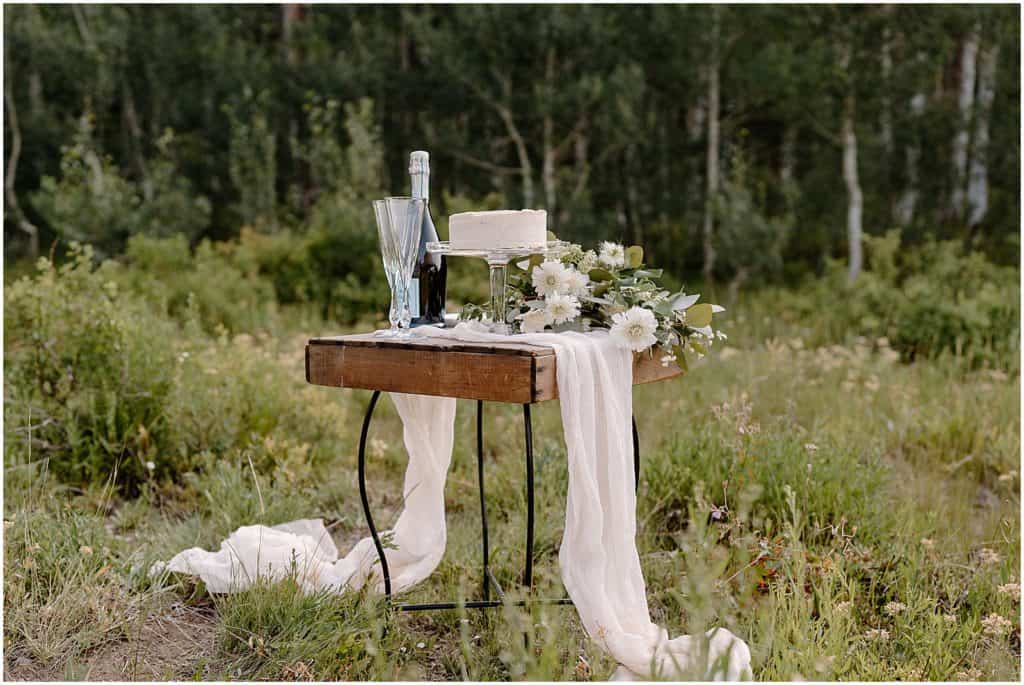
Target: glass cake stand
x=498 y=259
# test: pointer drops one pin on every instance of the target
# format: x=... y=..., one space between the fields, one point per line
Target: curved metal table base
x=488 y=577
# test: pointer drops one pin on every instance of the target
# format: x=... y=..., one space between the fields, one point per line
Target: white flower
x=562 y=308
x=550 y=278
x=894 y=608
x=612 y=254
x=1011 y=590
x=577 y=282
x=588 y=261
x=634 y=328
x=996 y=625
x=535 y=320
x=667 y=359
x=877 y=634
x=150 y=466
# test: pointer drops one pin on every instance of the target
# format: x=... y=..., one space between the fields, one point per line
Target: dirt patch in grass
x=176 y=644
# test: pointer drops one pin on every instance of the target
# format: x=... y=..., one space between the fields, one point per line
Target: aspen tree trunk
x=855 y=199
x=908 y=201
x=977 y=188
x=711 y=170
x=965 y=101
x=886 y=103
x=11 y=173
x=548 y=164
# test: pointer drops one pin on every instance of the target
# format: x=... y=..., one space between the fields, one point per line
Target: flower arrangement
x=611 y=289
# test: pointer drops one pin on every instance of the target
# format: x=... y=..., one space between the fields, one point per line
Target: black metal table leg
x=366 y=501
x=636 y=458
x=483 y=502
x=528 y=430
x=488 y=577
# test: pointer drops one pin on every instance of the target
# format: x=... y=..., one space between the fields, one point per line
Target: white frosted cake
x=500 y=229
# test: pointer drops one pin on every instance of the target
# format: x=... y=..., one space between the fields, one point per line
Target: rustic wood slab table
x=513 y=372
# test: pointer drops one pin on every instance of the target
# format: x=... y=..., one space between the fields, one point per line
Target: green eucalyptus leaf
x=699 y=315
x=634 y=256
x=598 y=274
x=648 y=273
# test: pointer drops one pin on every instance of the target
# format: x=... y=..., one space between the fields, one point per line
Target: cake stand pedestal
x=498 y=259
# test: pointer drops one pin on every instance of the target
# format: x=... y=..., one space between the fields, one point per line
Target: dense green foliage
x=204 y=119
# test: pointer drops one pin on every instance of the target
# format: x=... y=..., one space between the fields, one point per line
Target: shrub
x=935 y=299
x=99 y=383
x=86 y=371
x=206 y=284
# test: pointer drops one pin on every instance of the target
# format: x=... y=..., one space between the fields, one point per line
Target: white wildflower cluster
x=877 y=635
x=988 y=557
x=1011 y=590
x=895 y=608
x=995 y=625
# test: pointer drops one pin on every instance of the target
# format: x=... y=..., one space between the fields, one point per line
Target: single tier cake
x=500 y=229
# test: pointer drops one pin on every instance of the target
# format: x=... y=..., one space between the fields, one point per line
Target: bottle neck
x=421 y=185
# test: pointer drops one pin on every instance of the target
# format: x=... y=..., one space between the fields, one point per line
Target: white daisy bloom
x=612 y=254
x=634 y=328
x=562 y=308
x=577 y=282
x=550 y=278
x=535 y=320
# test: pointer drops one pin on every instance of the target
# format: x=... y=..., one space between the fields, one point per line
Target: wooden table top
x=496 y=372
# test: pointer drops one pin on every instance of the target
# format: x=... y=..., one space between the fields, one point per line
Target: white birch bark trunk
x=908 y=200
x=965 y=103
x=855 y=199
x=977 y=187
x=886 y=102
x=711 y=170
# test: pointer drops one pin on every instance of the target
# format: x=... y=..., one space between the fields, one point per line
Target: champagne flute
x=399 y=223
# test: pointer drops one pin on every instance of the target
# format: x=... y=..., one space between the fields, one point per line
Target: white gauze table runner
x=598 y=557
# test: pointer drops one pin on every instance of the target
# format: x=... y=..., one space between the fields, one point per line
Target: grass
x=851 y=516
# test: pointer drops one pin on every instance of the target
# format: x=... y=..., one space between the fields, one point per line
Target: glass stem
x=498 y=299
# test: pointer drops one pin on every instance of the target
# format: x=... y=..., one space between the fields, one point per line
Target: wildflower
x=667 y=359
x=988 y=556
x=1011 y=590
x=877 y=635
x=914 y=675
x=842 y=608
x=634 y=328
x=550 y=278
x=894 y=608
x=421 y=645
x=150 y=466
x=562 y=308
x=995 y=625
x=535 y=320
x=612 y=254
x=928 y=543
x=950 y=619
x=810 y=447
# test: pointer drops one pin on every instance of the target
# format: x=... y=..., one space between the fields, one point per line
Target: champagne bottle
x=427 y=290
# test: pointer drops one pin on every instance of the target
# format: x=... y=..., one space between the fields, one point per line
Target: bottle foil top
x=419 y=162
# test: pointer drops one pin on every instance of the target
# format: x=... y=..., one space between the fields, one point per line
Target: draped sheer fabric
x=599 y=562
